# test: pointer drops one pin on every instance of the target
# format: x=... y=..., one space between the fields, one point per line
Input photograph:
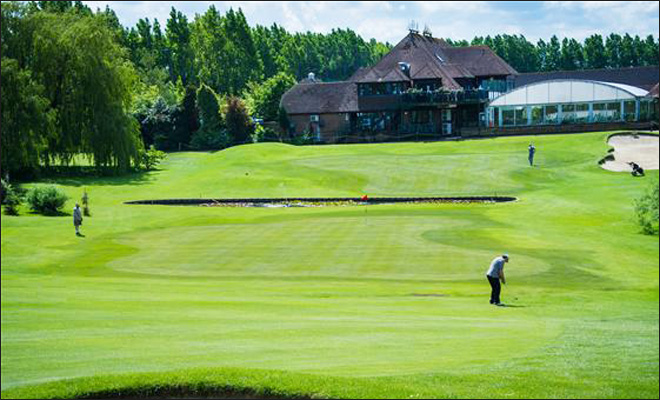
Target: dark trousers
x=496 y=288
x=531 y=159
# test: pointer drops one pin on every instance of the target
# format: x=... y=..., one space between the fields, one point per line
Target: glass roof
x=568 y=91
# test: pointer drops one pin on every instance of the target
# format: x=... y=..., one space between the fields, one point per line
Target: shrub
x=46 y=200
x=239 y=124
x=205 y=139
x=3 y=191
x=305 y=138
x=11 y=198
x=149 y=159
x=646 y=208
x=265 y=134
x=212 y=134
x=264 y=97
x=85 y=203
x=283 y=120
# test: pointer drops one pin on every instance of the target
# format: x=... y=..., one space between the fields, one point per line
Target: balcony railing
x=441 y=97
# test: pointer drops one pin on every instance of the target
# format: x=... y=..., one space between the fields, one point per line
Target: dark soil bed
x=319 y=201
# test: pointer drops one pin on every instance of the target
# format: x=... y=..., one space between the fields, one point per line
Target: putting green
x=389 y=301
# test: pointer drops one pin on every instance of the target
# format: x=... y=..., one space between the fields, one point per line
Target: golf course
x=339 y=301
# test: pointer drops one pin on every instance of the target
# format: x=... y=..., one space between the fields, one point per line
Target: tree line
x=595 y=52
x=76 y=81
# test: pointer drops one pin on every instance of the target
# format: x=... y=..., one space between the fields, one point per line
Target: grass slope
x=337 y=302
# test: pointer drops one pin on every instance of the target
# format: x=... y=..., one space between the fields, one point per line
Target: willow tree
x=27 y=121
x=89 y=83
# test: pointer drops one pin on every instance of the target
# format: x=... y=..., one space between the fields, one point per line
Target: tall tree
x=27 y=120
x=208 y=42
x=627 y=53
x=650 y=53
x=187 y=117
x=553 y=54
x=542 y=54
x=613 y=50
x=571 y=57
x=180 y=55
x=143 y=28
x=242 y=60
x=594 y=52
x=89 y=83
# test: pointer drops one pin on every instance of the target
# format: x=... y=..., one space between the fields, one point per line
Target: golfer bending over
x=77 y=219
x=494 y=274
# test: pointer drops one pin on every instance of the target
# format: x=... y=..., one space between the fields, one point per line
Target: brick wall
x=330 y=125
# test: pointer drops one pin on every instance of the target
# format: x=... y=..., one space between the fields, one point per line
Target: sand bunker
x=641 y=149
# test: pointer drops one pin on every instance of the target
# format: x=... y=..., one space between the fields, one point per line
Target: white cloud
x=583 y=18
x=388 y=20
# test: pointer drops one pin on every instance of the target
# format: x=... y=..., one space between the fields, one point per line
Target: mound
x=628 y=148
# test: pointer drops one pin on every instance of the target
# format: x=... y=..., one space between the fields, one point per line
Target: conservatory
x=569 y=101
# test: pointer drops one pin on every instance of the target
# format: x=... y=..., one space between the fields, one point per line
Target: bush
x=3 y=190
x=646 y=208
x=264 y=97
x=305 y=138
x=265 y=134
x=11 y=198
x=212 y=134
x=46 y=200
x=283 y=120
x=85 y=203
x=240 y=127
x=149 y=159
x=205 y=139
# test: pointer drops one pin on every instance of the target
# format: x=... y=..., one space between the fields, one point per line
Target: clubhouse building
x=425 y=89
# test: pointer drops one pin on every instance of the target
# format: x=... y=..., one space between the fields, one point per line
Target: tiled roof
x=432 y=58
x=429 y=58
x=654 y=91
x=320 y=98
x=480 y=61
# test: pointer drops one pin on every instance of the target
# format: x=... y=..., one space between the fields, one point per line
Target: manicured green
x=389 y=301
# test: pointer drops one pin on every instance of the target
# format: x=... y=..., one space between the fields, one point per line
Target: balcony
x=411 y=99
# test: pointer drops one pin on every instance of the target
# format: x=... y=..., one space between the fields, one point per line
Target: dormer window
x=404 y=67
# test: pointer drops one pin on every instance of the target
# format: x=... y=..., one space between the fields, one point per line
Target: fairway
x=342 y=301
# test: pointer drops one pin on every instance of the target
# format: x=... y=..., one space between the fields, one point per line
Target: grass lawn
x=333 y=301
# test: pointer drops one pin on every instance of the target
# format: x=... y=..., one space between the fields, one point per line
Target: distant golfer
x=532 y=151
x=495 y=274
x=77 y=219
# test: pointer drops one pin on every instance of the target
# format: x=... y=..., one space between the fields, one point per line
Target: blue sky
x=387 y=20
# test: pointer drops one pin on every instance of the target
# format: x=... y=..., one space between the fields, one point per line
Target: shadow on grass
x=90 y=176
x=55 y=214
x=513 y=306
x=199 y=391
